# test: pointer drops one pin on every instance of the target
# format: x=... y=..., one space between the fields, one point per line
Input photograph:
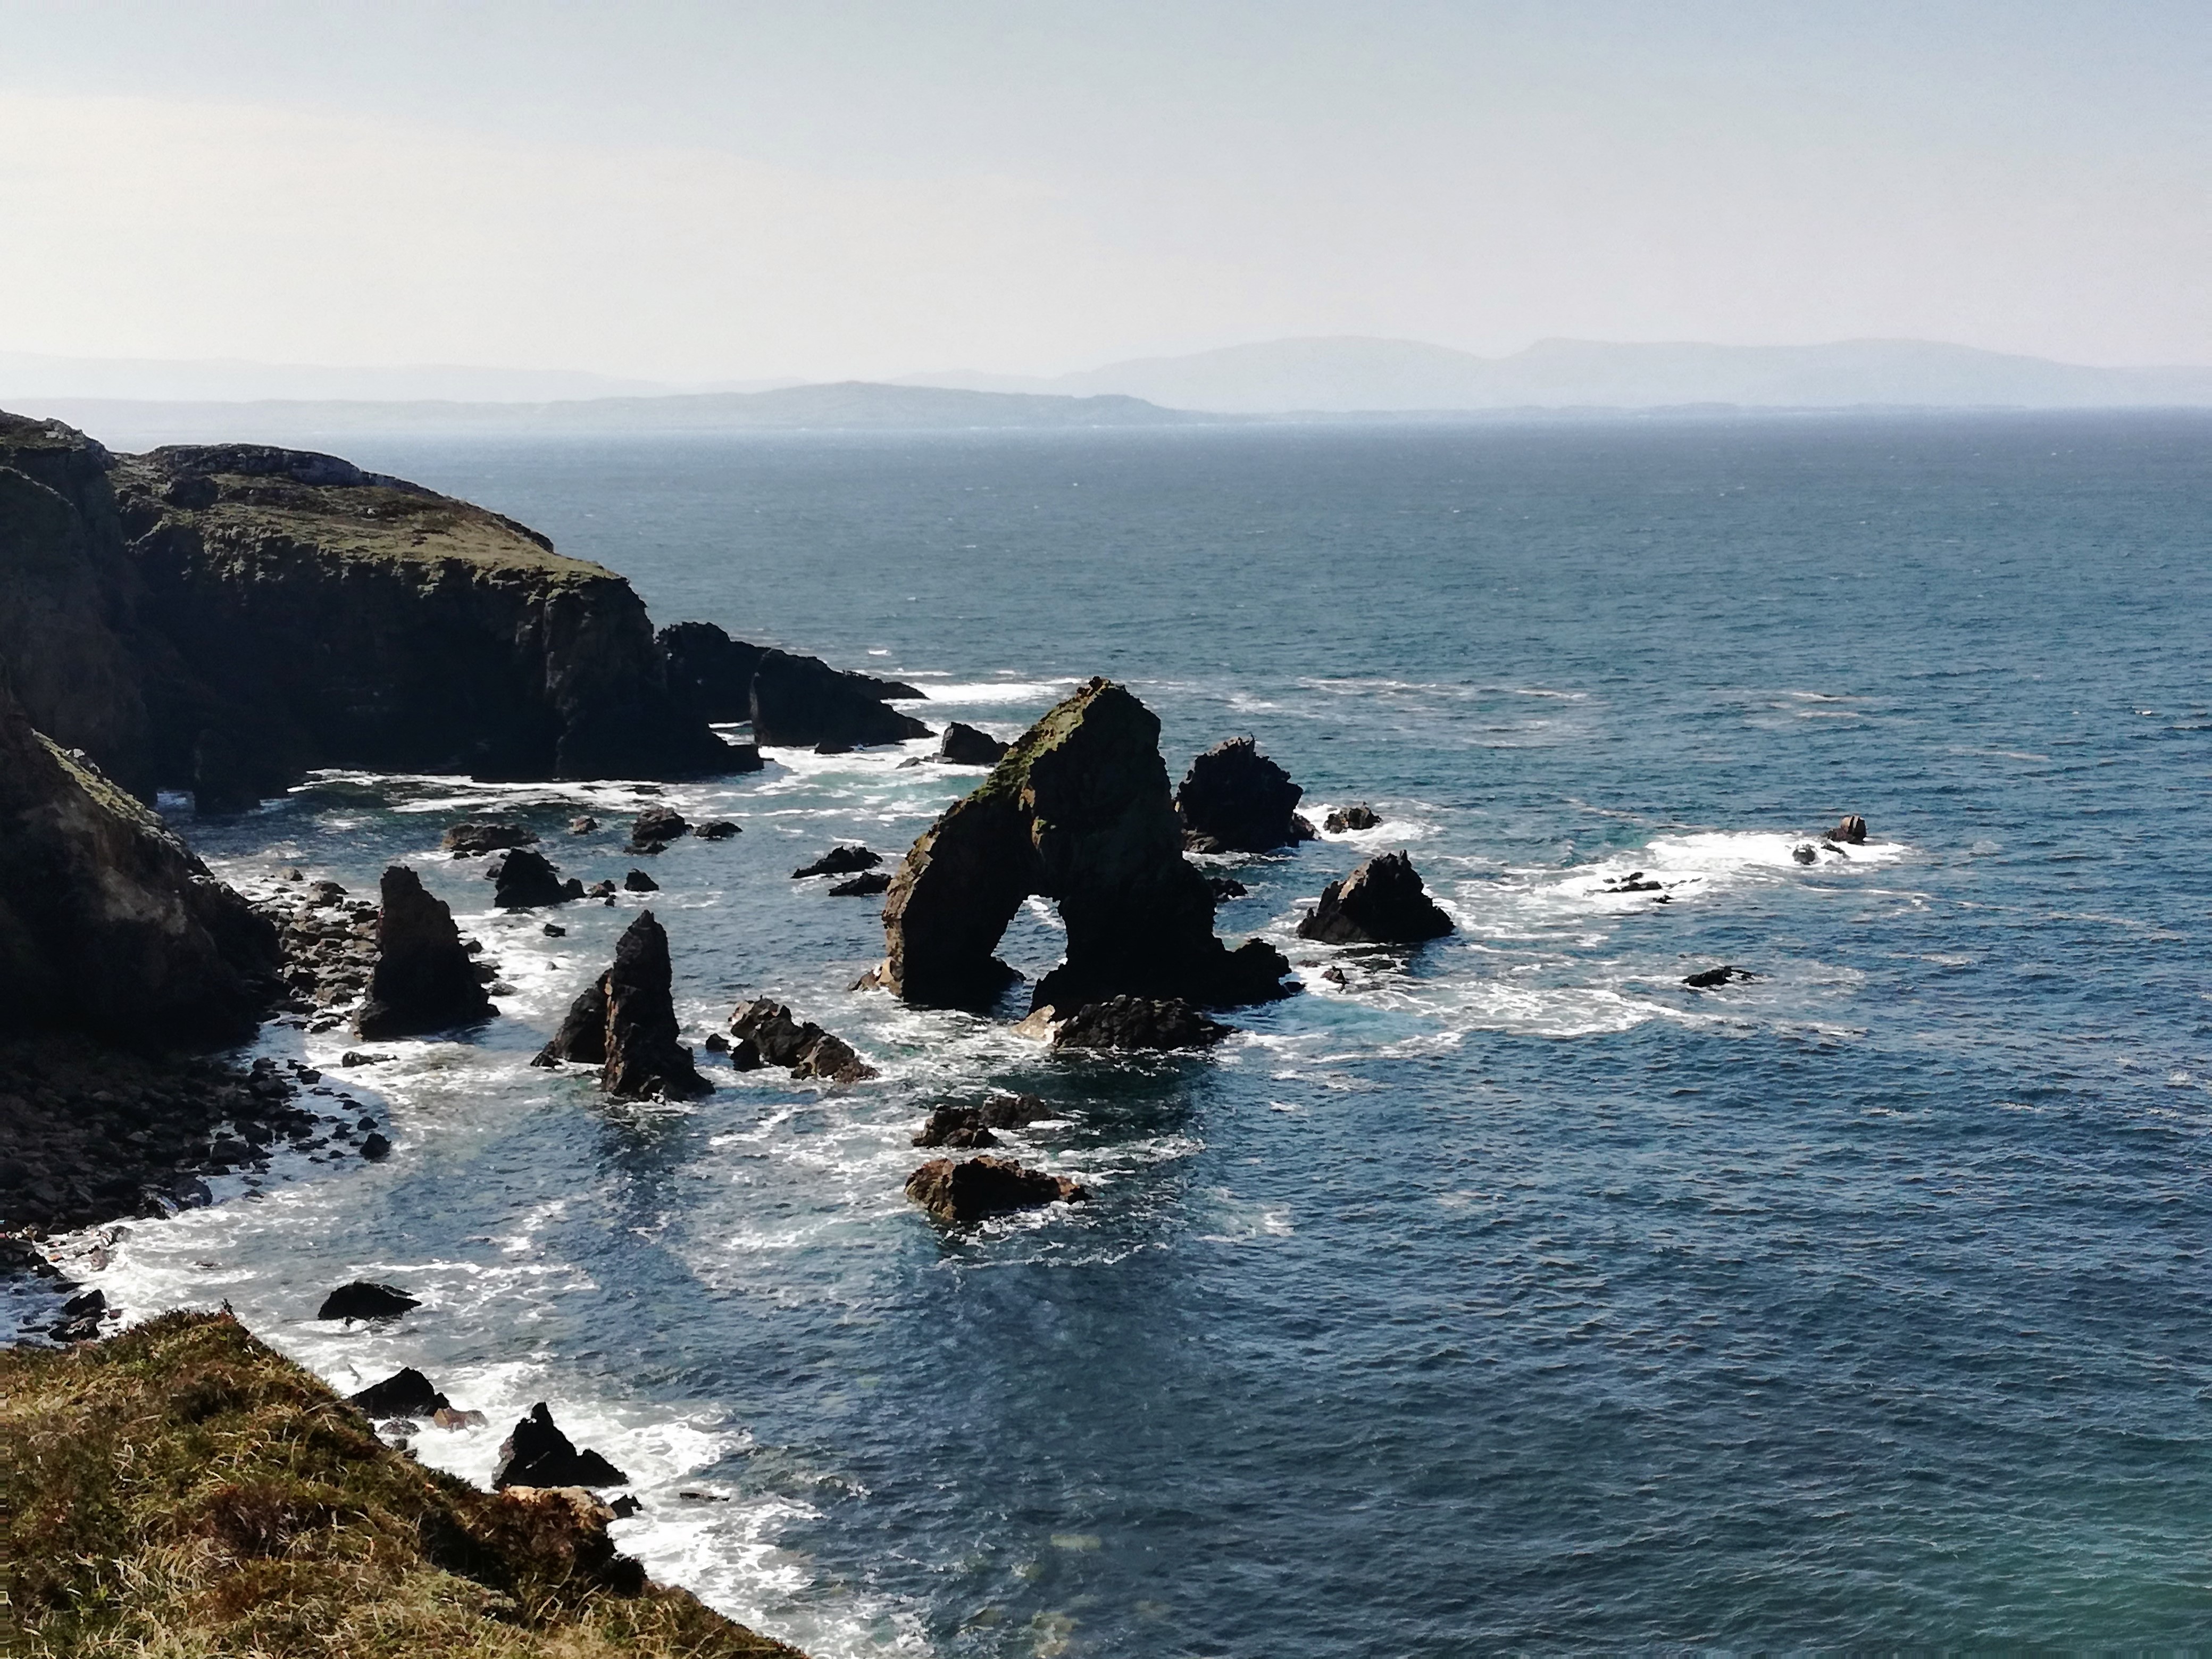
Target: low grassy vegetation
x=181 y=1489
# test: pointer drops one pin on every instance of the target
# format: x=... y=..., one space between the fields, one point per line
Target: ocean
x=1510 y=1294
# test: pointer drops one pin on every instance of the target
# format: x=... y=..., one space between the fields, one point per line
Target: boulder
x=638 y=882
x=1348 y=818
x=1634 y=882
x=719 y=830
x=839 y=862
x=423 y=981
x=1851 y=831
x=964 y=745
x=363 y=1300
x=539 y=1455
x=527 y=880
x=971 y=1125
x=799 y=702
x=1126 y=1022
x=1383 y=903
x=469 y=840
x=1235 y=799
x=978 y=1187
x=779 y=1039
x=405 y=1393
x=865 y=886
x=1078 y=812
x=655 y=827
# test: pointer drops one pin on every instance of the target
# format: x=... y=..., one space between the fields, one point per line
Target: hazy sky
x=818 y=188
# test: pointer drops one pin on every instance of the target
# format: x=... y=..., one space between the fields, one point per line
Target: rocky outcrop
x=971 y=1125
x=803 y=702
x=655 y=828
x=424 y=981
x=862 y=886
x=964 y=745
x=1126 y=1022
x=108 y=925
x=1345 y=819
x=468 y=840
x=976 y=1189
x=405 y=1393
x=1235 y=799
x=1710 y=979
x=1381 y=903
x=1077 y=811
x=527 y=880
x=838 y=861
x=1851 y=831
x=536 y=1454
x=364 y=1300
x=779 y=1039
x=626 y=1022
x=710 y=670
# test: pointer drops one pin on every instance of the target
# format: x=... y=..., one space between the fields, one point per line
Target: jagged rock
x=1382 y=902
x=108 y=924
x=527 y=880
x=964 y=745
x=1235 y=799
x=719 y=829
x=1225 y=887
x=405 y=1393
x=468 y=840
x=1346 y=819
x=655 y=827
x=866 y=886
x=626 y=1022
x=839 y=862
x=638 y=882
x=363 y=1300
x=1852 y=830
x=375 y=1148
x=978 y=1187
x=806 y=1048
x=799 y=702
x=956 y=1126
x=423 y=981
x=1712 y=978
x=709 y=669
x=583 y=826
x=1126 y=1022
x=539 y=1455
x=1077 y=811
x=582 y=1038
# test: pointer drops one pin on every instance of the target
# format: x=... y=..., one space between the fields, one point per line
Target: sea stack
x=1235 y=799
x=1381 y=903
x=424 y=981
x=626 y=1022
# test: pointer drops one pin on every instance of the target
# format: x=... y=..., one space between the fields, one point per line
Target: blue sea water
x=1511 y=1295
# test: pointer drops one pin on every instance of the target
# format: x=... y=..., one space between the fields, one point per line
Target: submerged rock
x=779 y=1039
x=1710 y=978
x=1126 y=1022
x=978 y=1187
x=964 y=745
x=839 y=862
x=536 y=1454
x=1361 y=816
x=470 y=840
x=1382 y=902
x=802 y=702
x=423 y=981
x=1235 y=799
x=363 y=1300
x=1079 y=813
x=527 y=880
x=1851 y=831
x=405 y=1393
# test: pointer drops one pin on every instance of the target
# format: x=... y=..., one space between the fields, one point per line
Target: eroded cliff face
x=108 y=926
x=1078 y=812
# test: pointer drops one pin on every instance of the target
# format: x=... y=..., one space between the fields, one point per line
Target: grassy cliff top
x=181 y=1489
x=234 y=493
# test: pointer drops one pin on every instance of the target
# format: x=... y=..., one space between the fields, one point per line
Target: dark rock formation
x=710 y=670
x=527 y=880
x=719 y=829
x=1126 y=1022
x=971 y=1125
x=656 y=827
x=978 y=1187
x=583 y=826
x=1077 y=811
x=866 y=886
x=108 y=926
x=626 y=1022
x=1634 y=882
x=469 y=840
x=363 y=1300
x=405 y=1393
x=964 y=745
x=781 y=1040
x=1852 y=830
x=1382 y=902
x=539 y=1455
x=1712 y=978
x=424 y=981
x=638 y=882
x=839 y=862
x=1803 y=854
x=1358 y=817
x=800 y=701
x=1235 y=799
x=1225 y=887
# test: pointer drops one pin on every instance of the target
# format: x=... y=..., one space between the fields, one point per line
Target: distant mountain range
x=1353 y=375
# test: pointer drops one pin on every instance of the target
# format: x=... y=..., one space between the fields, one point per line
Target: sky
x=719 y=192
